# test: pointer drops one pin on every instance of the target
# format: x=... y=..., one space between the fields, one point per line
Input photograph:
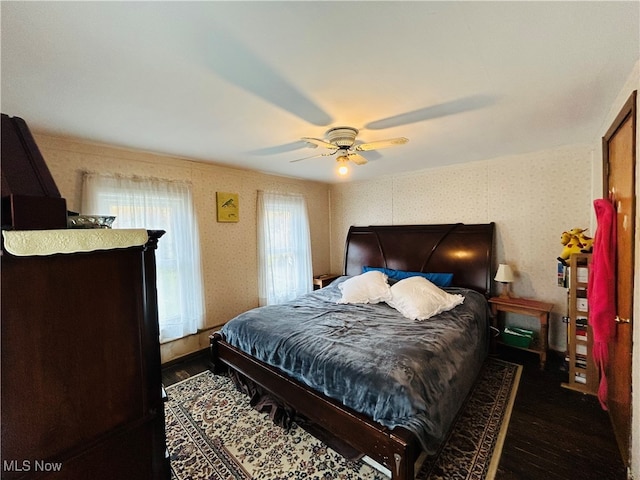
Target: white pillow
x=418 y=299
x=370 y=287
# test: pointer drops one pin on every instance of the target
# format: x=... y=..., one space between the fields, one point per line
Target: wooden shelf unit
x=583 y=374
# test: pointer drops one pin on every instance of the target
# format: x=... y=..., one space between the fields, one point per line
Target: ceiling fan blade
x=276 y=149
x=392 y=142
x=460 y=105
x=319 y=143
x=232 y=59
x=314 y=156
x=357 y=158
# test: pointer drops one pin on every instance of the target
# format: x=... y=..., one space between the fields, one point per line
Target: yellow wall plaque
x=228 y=207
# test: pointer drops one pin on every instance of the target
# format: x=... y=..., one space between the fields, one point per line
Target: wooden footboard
x=466 y=251
x=396 y=449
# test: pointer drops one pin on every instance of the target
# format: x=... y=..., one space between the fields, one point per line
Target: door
x=619 y=147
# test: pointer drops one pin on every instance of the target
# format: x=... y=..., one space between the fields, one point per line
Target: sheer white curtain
x=158 y=205
x=284 y=247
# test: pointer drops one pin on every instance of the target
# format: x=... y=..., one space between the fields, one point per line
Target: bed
x=386 y=396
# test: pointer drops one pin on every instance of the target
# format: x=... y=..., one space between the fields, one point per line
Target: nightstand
x=322 y=281
x=531 y=308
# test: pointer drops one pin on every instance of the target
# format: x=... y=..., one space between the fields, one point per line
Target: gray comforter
x=397 y=371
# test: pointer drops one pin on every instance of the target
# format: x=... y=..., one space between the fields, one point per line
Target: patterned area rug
x=213 y=434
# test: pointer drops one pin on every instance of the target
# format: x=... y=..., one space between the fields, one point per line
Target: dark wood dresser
x=81 y=380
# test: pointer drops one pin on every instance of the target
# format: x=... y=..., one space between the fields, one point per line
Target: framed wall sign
x=228 y=207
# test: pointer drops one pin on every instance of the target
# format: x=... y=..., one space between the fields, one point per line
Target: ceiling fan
x=342 y=140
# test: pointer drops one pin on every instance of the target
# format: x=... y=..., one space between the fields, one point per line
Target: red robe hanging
x=601 y=293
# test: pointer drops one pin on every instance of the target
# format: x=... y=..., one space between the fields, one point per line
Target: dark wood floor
x=554 y=433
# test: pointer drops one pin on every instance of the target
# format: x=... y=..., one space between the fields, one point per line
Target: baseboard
x=180 y=347
x=186 y=358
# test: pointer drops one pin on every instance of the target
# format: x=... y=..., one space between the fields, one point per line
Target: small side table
x=531 y=308
x=322 y=281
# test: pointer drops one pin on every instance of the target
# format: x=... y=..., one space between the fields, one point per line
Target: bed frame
x=461 y=249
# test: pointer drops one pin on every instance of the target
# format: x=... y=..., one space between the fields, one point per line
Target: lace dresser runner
x=49 y=242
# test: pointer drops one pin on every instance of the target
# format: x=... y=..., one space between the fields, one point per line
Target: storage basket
x=517 y=337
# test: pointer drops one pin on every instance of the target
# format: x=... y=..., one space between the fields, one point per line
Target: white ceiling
x=238 y=83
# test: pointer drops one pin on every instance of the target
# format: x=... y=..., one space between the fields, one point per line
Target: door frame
x=628 y=110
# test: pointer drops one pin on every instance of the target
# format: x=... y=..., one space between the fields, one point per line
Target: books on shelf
x=582 y=274
x=564 y=275
x=582 y=305
x=580 y=362
x=583 y=375
x=581 y=333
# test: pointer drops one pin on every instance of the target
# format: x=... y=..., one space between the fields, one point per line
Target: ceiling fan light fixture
x=343 y=169
x=341 y=141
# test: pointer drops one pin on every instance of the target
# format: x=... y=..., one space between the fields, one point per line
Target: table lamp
x=504 y=275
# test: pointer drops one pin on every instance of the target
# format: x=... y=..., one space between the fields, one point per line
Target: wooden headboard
x=461 y=249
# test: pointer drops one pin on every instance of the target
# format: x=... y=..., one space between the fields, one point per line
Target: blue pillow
x=439 y=279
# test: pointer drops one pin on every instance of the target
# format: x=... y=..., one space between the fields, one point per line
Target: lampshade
x=504 y=274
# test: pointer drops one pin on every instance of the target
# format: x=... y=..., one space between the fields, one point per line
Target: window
x=158 y=205
x=284 y=247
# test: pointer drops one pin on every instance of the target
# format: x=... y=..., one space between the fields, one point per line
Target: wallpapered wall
x=228 y=250
x=532 y=199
